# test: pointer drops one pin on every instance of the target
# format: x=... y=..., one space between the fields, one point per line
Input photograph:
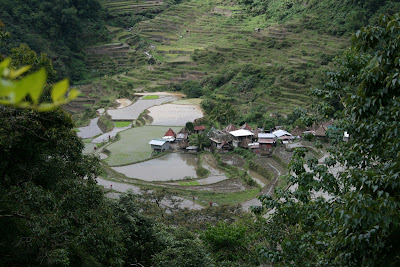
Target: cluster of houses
x=257 y=139
x=222 y=140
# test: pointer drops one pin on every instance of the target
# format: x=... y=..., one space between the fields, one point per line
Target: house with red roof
x=170 y=135
x=199 y=129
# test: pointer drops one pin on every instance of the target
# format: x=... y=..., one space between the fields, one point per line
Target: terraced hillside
x=236 y=58
x=289 y=54
x=128 y=7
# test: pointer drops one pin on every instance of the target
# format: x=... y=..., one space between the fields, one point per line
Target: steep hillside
x=59 y=28
x=267 y=53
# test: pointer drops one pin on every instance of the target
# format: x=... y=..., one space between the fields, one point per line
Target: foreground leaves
x=26 y=92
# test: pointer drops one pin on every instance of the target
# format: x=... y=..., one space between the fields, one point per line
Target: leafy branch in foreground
x=26 y=92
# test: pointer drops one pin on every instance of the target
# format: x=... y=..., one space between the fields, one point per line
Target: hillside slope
x=225 y=52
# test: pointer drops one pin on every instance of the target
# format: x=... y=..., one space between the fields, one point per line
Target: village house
x=283 y=135
x=320 y=129
x=199 y=129
x=230 y=128
x=182 y=138
x=221 y=140
x=159 y=145
x=254 y=147
x=182 y=135
x=267 y=139
x=242 y=138
x=170 y=135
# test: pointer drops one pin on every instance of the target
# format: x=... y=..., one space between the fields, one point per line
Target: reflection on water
x=172 y=166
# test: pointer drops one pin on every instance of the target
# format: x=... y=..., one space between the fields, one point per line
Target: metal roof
x=266 y=135
x=157 y=142
x=280 y=133
x=241 y=132
x=266 y=141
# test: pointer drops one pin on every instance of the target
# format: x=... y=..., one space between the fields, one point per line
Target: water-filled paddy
x=172 y=166
x=134 y=144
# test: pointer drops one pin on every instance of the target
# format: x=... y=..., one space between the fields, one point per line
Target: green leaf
x=15 y=73
x=46 y=107
x=73 y=93
x=32 y=84
x=4 y=66
x=59 y=90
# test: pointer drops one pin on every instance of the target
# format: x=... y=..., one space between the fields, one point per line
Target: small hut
x=221 y=140
x=199 y=129
x=159 y=145
x=170 y=135
x=267 y=140
x=182 y=135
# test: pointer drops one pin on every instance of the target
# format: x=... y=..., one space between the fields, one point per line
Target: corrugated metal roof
x=280 y=133
x=181 y=136
x=157 y=142
x=266 y=135
x=241 y=132
x=266 y=141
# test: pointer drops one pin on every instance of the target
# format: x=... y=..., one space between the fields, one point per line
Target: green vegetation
x=105 y=123
x=151 y=97
x=15 y=90
x=192 y=101
x=247 y=60
x=226 y=198
x=60 y=29
x=362 y=207
x=189 y=183
x=122 y=123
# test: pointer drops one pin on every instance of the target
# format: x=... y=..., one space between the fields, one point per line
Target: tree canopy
x=59 y=28
x=356 y=221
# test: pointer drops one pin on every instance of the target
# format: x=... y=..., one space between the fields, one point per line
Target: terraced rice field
x=196 y=25
x=133 y=6
x=133 y=111
x=174 y=115
x=134 y=144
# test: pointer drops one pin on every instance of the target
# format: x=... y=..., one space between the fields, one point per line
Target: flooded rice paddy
x=170 y=167
x=133 y=145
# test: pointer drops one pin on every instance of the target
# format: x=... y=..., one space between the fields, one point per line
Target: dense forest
x=52 y=212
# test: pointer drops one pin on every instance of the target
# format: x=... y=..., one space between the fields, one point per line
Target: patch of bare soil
x=123 y=102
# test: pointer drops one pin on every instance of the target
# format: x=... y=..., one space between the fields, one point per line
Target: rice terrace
x=199 y=133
